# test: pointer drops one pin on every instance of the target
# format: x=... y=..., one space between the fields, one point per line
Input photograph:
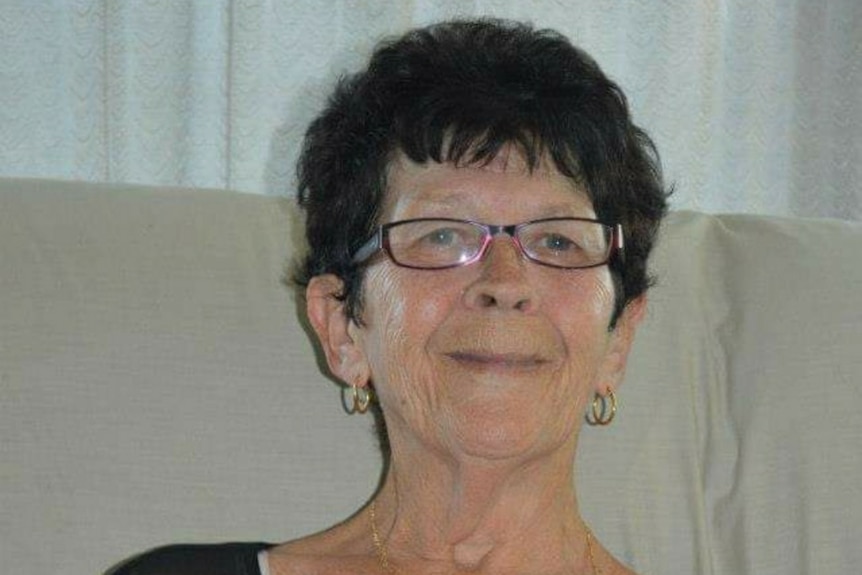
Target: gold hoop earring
x=361 y=399
x=601 y=415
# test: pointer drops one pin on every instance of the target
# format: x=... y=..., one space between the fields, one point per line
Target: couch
x=158 y=384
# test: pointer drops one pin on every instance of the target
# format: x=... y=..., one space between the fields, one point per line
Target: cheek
x=603 y=299
x=582 y=314
x=403 y=308
x=586 y=303
x=384 y=317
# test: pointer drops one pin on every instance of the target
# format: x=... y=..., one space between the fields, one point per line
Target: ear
x=338 y=334
x=613 y=368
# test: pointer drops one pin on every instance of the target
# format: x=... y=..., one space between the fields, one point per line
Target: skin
x=484 y=373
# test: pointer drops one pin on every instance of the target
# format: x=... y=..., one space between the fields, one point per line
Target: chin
x=501 y=435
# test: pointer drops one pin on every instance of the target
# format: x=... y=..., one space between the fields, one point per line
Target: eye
x=557 y=243
x=442 y=237
x=434 y=243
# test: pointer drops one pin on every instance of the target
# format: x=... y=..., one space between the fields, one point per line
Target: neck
x=468 y=513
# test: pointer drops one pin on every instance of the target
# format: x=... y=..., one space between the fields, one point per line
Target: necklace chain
x=383 y=556
x=596 y=570
x=379 y=548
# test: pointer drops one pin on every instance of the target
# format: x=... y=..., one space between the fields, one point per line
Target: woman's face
x=495 y=359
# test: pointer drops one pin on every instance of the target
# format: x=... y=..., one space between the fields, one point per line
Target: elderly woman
x=480 y=208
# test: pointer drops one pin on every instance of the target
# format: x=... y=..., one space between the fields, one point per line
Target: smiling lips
x=493 y=360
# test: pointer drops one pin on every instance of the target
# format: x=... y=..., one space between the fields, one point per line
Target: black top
x=221 y=559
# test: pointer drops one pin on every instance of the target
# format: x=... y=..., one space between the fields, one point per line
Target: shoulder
x=219 y=559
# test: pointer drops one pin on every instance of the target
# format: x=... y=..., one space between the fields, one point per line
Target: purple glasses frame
x=380 y=242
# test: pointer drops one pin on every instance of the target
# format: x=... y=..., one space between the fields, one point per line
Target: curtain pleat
x=755 y=106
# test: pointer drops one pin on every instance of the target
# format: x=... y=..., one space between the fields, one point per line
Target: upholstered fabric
x=156 y=386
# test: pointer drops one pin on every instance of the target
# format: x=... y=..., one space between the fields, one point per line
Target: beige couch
x=156 y=386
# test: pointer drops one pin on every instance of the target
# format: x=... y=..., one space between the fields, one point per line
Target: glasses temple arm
x=619 y=243
x=367 y=249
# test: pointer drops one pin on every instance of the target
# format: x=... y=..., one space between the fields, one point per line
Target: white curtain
x=756 y=106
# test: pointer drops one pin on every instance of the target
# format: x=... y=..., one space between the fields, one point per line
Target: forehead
x=504 y=189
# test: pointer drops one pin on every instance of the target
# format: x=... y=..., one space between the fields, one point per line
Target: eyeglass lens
x=566 y=243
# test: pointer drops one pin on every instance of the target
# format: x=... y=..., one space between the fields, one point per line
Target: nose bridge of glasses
x=494 y=230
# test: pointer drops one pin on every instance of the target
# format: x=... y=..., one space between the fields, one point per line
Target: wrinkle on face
x=456 y=192
x=439 y=365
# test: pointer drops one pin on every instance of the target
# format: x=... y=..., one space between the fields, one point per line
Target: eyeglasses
x=440 y=243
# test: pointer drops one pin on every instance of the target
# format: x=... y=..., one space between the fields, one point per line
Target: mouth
x=484 y=360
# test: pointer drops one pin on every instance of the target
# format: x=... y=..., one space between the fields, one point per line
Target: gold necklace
x=383 y=556
x=379 y=548
x=596 y=570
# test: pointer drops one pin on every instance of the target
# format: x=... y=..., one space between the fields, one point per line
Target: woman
x=480 y=209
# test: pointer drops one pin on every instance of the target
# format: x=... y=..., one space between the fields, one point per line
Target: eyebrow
x=450 y=200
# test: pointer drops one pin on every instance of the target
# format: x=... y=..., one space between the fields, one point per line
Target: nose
x=503 y=282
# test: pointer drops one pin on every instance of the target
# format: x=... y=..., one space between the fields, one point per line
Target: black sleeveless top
x=220 y=559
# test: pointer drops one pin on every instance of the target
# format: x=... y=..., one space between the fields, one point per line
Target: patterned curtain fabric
x=755 y=106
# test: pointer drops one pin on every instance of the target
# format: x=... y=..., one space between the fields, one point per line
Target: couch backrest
x=156 y=386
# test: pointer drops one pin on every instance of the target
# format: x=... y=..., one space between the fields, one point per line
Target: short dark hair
x=459 y=91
